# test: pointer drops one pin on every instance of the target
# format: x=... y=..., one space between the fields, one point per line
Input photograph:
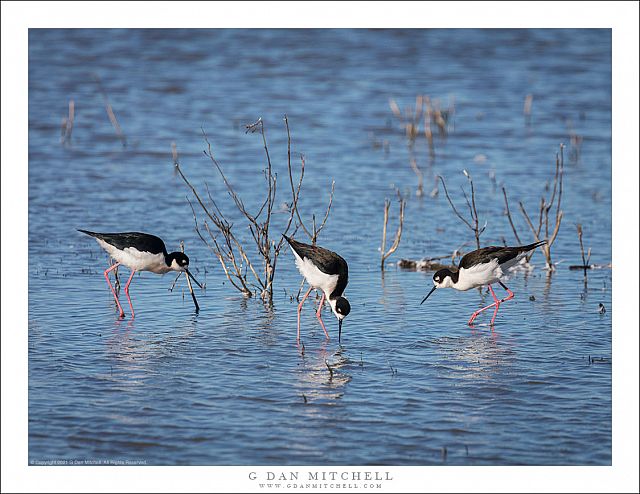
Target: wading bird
x=139 y=252
x=482 y=267
x=324 y=270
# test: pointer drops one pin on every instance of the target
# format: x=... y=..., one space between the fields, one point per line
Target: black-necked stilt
x=324 y=270
x=482 y=267
x=139 y=252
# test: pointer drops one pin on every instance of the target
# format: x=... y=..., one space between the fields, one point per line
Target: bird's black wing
x=502 y=254
x=327 y=261
x=144 y=242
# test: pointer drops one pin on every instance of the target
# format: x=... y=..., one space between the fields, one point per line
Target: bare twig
x=586 y=260
x=240 y=267
x=575 y=142
x=174 y=157
x=173 y=284
x=326 y=362
x=110 y=113
x=506 y=203
x=412 y=117
x=428 y=116
x=462 y=218
x=316 y=231
x=63 y=130
x=67 y=124
x=295 y=193
x=418 y=172
x=439 y=118
x=528 y=103
x=473 y=224
x=384 y=254
x=545 y=208
x=395 y=109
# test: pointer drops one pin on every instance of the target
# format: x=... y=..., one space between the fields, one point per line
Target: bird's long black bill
x=192 y=278
x=339 y=329
x=428 y=294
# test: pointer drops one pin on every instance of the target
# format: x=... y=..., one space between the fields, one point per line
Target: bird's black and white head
x=178 y=261
x=443 y=278
x=341 y=308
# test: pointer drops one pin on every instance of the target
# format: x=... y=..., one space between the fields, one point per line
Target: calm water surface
x=228 y=386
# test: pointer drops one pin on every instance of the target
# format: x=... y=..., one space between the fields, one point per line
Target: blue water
x=228 y=386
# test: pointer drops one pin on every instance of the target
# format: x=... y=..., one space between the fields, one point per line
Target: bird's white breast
x=315 y=277
x=137 y=260
x=478 y=275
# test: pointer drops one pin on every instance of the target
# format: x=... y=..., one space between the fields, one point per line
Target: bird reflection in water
x=322 y=376
x=479 y=355
x=134 y=355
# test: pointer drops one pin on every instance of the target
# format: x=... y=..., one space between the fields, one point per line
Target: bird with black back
x=326 y=271
x=482 y=267
x=139 y=252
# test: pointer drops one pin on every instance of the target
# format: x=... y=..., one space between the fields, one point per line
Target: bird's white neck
x=332 y=303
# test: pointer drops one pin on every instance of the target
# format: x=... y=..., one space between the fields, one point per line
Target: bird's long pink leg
x=126 y=291
x=106 y=276
x=498 y=302
x=300 y=308
x=319 y=316
x=495 y=301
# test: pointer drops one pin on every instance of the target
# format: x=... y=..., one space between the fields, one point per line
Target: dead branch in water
x=384 y=254
x=585 y=262
x=528 y=103
x=239 y=264
x=418 y=172
x=431 y=264
x=515 y=232
x=295 y=192
x=473 y=223
x=430 y=114
x=575 y=267
x=575 y=143
x=110 y=113
x=67 y=124
x=545 y=208
x=326 y=362
x=428 y=134
x=508 y=213
x=586 y=265
x=174 y=157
